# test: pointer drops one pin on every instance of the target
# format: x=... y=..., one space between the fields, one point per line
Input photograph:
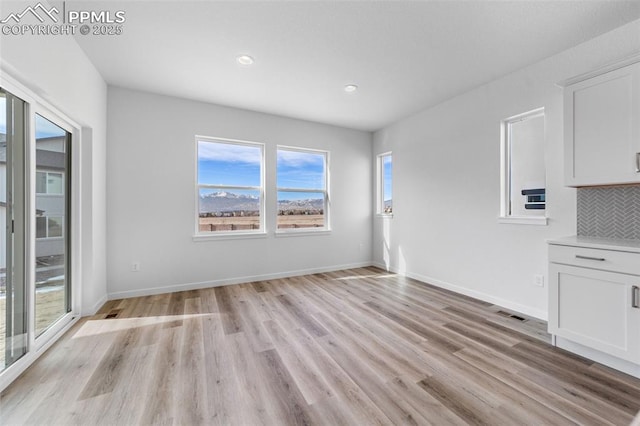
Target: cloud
x=229 y=153
x=299 y=159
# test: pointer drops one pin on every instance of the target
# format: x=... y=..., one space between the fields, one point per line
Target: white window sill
x=523 y=220
x=301 y=233
x=385 y=215
x=228 y=236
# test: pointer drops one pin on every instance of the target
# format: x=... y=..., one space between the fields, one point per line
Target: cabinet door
x=594 y=308
x=602 y=129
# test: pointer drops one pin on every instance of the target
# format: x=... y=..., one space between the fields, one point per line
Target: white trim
x=524 y=220
x=233 y=235
x=527 y=310
x=230 y=281
x=96 y=306
x=612 y=66
x=301 y=232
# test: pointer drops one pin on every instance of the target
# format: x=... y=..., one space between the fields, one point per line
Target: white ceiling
x=404 y=56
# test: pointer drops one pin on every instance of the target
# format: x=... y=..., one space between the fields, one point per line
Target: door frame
x=36 y=104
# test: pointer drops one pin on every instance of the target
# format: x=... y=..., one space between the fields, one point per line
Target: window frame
x=46 y=183
x=247 y=233
x=380 y=183
x=505 y=170
x=326 y=228
x=46 y=227
x=35 y=343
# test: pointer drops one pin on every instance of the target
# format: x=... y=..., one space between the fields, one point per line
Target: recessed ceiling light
x=350 y=88
x=244 y=60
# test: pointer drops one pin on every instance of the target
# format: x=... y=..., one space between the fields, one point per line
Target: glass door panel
x=13 y=311
x=52 y=281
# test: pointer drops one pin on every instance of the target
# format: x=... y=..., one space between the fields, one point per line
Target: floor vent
x=507 y=314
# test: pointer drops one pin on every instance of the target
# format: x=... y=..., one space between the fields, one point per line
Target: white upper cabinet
x=602 y=128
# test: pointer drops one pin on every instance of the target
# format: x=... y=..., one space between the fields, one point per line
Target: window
x=385 y=194
x=302 y=189
x=230 y=186
x=523 y=168
x=49 y=182
x=49 y=227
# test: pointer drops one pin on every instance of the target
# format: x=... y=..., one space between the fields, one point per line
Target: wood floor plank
x=159 y=407
x=396 y=409
x=283 y=388
x=307 y=321
x=302 y=367
x=507 y=371
x=354 y=347
x=230 y=317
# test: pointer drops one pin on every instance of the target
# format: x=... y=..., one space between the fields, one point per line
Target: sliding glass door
x=35 y=226
x=52 y=281
x=13 y=300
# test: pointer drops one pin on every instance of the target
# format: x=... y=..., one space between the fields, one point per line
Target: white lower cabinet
x=594 y=301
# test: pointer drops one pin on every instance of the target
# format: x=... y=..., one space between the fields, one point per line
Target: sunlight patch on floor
x=101 y=326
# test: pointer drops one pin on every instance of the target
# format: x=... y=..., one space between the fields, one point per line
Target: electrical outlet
x=135 y=267
x=361 y=246
x=538 y=280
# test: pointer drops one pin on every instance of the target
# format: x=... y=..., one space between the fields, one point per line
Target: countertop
x=632 y=246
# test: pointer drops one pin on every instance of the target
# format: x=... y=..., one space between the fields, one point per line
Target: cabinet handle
x=635 y=296
x=637 y=162
x=599 y=259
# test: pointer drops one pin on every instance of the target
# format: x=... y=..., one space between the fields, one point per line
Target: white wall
x=57 y=70
x=447 y=183
x=151 y=196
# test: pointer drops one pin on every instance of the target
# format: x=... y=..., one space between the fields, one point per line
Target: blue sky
x=46 y=129
x=301 y=170
x=228 y=164
x=239 y=165
x=387 y=167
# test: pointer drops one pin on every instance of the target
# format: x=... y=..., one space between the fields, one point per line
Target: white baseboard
x=228 y=281
x=527 y=310
x=96 y=307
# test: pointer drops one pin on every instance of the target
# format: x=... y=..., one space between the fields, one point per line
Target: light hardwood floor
x=355 y=347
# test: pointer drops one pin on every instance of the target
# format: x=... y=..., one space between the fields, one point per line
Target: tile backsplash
x=609 y=212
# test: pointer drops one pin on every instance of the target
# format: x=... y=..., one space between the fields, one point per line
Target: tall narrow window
x=52 y=286
x=230 y=186
x=385 y=194
x=523 y=167
x=302 y=189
